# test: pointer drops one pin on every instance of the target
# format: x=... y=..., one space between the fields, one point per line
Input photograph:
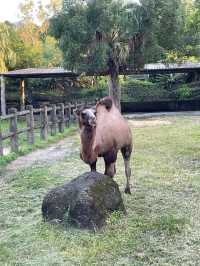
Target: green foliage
x=143 y=91
x=7 y=53
x=99 y=35
x=94 y=35
x=104 y=35
x=169 y=24
x=162 y=88
x=184 y=92
x=51 y=54
x=27 y=44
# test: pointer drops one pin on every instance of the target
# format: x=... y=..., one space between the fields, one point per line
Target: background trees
x=102 y=36
x=114 y=35
x=27 y=43
x=90 y=33
x=7 y=53
x=96 y=36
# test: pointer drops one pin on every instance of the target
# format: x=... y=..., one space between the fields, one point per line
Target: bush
x=184 y=92
x=143 y=91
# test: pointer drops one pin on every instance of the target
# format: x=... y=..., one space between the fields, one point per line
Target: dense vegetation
x=171 y=29
x=101 y=35
x=27 y=43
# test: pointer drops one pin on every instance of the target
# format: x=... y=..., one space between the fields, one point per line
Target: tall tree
x=7 y=53
x=101 y=35
x=166 y=34
x=169 y=24
x=190 y=51
x=40 y=50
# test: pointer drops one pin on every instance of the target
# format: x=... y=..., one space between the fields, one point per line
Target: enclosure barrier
x=50 y=119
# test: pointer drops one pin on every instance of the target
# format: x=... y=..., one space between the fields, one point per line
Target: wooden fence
x=52 y=119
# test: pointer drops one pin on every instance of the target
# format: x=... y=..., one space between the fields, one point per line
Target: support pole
x=22 y=94
x=3 y=96
x=30 y=125
x=13 y=130
x=44 y=123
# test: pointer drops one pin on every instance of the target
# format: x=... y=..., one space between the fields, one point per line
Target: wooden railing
x=48 y=119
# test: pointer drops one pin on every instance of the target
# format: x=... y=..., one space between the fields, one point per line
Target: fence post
x=75 y=108
x=30 y=125
x=13 y=130
x=1 y=142
x=68 y=113
x=44 y=123
x=61 y=123
x=53 y=120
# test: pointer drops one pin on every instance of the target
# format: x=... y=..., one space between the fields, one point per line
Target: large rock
x=84 y=202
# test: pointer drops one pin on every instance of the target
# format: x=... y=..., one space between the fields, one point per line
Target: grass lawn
x=162 y=226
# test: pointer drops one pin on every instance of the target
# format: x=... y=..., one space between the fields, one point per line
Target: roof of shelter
x=40 y=72
x=158 y=68
x=172 y=67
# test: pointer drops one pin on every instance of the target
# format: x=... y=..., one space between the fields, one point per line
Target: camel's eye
x=83 y=115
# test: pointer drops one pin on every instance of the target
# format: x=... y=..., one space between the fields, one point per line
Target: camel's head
x=86 y=117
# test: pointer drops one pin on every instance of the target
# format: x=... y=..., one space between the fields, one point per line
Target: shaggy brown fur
x=103 y=133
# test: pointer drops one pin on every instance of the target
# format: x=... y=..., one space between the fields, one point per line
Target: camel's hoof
x=127 y=190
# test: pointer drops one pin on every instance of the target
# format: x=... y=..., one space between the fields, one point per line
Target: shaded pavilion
x=149 y=69
x=32 y=73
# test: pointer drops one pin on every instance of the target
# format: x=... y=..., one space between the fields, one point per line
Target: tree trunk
x=114 y=89
x=22 y=94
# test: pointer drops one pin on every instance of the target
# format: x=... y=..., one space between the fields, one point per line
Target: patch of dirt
x=148 y=122
x=50 y=155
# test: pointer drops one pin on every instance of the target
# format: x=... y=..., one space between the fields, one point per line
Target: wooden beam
x=22 y=94
x=3 y=96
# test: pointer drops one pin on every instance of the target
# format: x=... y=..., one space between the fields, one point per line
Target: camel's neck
x=87 y=137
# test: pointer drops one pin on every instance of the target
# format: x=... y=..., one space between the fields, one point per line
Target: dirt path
x=56 y=152
x=161 y=114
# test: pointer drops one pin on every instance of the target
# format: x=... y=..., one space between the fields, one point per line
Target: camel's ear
x=93 y=108
x=97 y=100
x=107 y=101
x=77 y=112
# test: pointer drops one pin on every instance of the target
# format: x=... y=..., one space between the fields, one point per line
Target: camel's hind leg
x=126 y=153
x=110 y=169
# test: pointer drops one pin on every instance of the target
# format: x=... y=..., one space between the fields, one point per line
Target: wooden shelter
x=23 y=74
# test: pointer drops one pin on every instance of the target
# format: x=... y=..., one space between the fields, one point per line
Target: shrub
x=139 y=91
x=184 y=92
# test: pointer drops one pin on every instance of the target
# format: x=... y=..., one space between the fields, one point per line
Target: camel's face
x=87 y=117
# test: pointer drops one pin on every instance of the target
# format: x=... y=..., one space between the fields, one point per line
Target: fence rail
x=50 y=119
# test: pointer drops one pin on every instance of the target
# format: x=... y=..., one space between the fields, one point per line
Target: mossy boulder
x=85 y=202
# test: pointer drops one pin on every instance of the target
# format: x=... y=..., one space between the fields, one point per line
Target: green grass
x=162 y=225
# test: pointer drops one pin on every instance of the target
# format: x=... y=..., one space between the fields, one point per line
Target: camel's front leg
x=93 y=166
